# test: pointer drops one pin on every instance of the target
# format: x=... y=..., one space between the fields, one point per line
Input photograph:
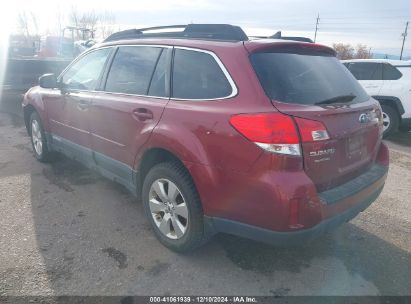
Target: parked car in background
x=268 y=139
x=388 y=81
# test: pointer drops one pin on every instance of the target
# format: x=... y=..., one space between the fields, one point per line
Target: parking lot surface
x=64 y=230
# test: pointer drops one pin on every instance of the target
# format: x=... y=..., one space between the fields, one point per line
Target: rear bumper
x=340 y=205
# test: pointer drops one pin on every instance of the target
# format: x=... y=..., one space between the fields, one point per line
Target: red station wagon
x=268 y=139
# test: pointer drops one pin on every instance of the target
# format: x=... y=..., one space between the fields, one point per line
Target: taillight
x=273 y=132
x=311 y=130
x=278 y=133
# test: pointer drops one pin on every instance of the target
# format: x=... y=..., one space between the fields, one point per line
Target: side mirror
x=48 y=81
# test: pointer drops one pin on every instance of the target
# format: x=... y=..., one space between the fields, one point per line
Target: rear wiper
x=337 y=99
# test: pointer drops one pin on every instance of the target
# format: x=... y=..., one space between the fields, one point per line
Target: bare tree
x=23 y=23
x=34 y=24
x=74 y=16
x=344 y=51
x=347 y=51
x=89 y=20
x=363 y=52
x=106 y=24
x=60 y=21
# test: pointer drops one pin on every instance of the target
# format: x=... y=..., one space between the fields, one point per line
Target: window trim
x=114 y=49
x=234 y=90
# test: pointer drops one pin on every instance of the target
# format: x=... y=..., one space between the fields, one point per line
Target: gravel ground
x=67 y=231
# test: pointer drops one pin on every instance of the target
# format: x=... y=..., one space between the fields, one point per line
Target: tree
x=347 y=51
x=344 y=51
x=27 y=23
x=74 y=16
x=23 y=23
x=60 y=21
x=102 y=23
x=106 y=24
x=363 y=52
x=34 y=23
x=89 y=20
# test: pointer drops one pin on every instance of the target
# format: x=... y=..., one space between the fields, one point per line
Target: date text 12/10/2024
x=203 y=299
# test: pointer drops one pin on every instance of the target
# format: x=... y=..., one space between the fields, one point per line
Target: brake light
x=273 y=132
x=311 y=130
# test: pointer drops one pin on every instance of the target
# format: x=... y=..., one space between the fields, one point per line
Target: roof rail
x=191 y=31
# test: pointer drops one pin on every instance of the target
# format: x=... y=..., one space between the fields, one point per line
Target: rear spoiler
x=278 y=35
x=295 y=47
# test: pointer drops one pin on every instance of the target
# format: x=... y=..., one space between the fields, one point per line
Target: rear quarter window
x=390 y=72
x=197 y=75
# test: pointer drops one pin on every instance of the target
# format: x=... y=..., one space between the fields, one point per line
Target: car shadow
x=73 y=233
x=401 y=138
x=362 y=253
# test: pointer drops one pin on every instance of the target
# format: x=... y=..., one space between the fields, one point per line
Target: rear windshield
x=305 y=79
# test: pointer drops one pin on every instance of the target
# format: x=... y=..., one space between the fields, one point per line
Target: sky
x=378 y=23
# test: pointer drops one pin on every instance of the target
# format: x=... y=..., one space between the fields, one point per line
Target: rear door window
x=305 y=79
x=197 y=75
x=132 y=69
x=390 y=72
x=366 y=70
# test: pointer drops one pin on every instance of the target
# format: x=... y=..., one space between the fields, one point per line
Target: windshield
x=305 y=79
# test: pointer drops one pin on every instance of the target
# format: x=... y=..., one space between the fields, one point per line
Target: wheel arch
x=151 y=157
x=33 y=102
x=203 y=176
x=27 y=111
x=391 y=101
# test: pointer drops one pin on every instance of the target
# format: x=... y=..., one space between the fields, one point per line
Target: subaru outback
x=268 y=139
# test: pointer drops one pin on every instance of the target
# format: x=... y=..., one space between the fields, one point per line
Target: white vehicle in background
x=388 y=81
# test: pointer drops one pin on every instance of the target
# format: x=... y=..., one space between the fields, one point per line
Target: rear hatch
x=307 y=81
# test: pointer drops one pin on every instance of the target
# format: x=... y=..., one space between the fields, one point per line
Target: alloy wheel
x=386 y=121
x=168 y=208
x=36 y=137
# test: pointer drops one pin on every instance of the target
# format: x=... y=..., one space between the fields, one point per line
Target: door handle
x=142 y=114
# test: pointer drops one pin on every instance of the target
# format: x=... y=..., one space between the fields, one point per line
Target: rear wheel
x=391 y=120
x=173 y=207
x=38 y=138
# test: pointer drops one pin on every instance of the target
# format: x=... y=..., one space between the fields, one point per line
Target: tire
x=391 y=120
x=38 y=138
x=160 y=207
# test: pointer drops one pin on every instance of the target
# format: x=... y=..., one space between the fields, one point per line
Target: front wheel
x=38 y=138
x=390 y=119
x=173 y=207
